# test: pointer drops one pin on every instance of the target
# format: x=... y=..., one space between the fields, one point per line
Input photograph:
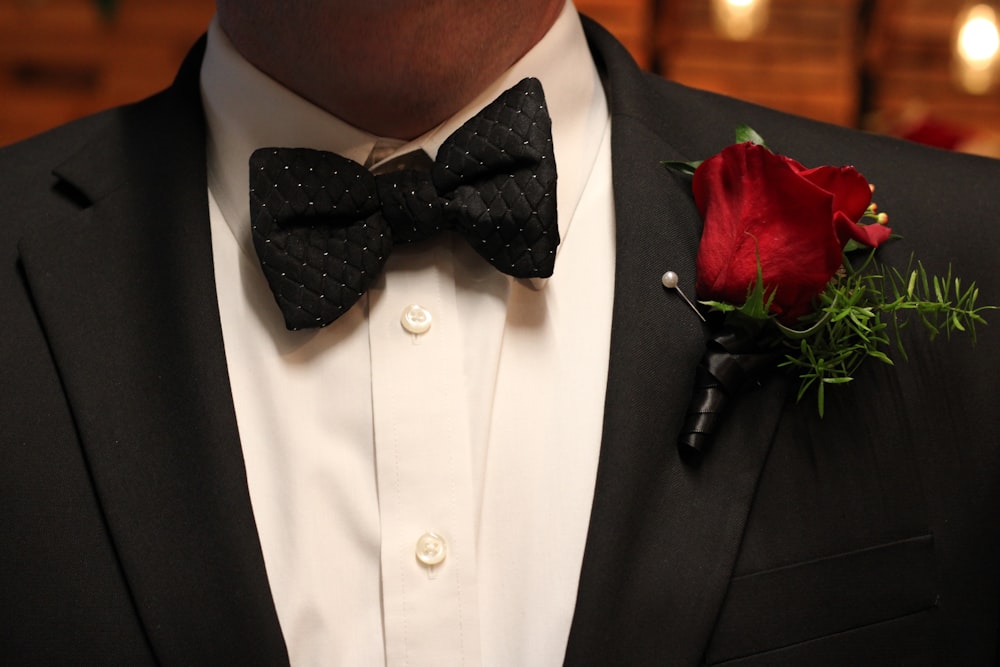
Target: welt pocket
x=796 y=603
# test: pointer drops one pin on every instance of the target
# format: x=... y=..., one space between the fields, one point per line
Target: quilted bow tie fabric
x=323 y=225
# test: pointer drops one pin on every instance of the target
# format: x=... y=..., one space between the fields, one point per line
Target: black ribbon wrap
x=735 y=358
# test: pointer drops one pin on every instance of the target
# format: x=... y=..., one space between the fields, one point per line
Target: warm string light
x=976 y=49
x=739 y=19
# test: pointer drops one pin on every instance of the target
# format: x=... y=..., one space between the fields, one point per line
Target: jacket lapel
x=125 y=290
x=663 y=536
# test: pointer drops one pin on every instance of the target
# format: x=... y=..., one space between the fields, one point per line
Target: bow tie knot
x=412 y=206
x=323 y=225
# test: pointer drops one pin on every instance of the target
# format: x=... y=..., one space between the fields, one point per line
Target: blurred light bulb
x=978 y=39
x=739 y=19
x=977 y=45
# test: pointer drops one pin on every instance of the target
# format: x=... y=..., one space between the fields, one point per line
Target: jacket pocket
x=805 y=601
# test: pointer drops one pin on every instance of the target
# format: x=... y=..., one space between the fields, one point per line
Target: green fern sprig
x=862 y=314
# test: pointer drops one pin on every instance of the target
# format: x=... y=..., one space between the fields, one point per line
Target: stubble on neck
x=395 y=68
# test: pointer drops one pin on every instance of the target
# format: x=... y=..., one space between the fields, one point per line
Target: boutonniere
x=788 y=279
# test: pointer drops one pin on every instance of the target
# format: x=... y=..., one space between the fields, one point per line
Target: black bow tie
x=323 y=225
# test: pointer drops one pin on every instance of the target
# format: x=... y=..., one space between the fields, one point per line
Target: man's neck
x=395 y=68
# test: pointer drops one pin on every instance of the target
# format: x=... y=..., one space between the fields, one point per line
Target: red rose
x=797 y=220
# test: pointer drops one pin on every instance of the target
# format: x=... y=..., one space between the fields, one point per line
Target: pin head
x=671 y=280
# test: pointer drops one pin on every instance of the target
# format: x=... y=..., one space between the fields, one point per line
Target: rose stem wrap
x=733 y=359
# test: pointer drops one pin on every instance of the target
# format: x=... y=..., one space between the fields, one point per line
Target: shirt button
x=416 y=319
x=431 y=549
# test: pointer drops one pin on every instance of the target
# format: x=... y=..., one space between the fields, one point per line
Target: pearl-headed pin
x=671 y=280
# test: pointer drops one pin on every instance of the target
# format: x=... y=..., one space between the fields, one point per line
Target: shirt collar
x=245 y=109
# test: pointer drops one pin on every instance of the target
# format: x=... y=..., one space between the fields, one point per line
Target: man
x=463 y=466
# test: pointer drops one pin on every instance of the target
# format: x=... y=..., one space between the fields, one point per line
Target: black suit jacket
x=126 y=533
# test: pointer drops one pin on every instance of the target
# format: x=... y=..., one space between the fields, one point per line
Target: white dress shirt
x=422 y=493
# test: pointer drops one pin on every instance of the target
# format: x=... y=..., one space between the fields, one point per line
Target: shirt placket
x=423 y=464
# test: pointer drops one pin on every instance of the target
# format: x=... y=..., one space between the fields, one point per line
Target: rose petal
x=870 y=235
x=754 y=202
x=850 y=190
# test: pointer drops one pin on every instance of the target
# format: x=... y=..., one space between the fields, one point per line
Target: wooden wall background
x=60 y=59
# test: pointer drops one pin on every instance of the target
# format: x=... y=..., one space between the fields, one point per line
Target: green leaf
x=684 y=168
x=758 y=302
x=852 y=246
x=721 y=306
x=881 y=356
x=798 y=334
x=745 y=133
